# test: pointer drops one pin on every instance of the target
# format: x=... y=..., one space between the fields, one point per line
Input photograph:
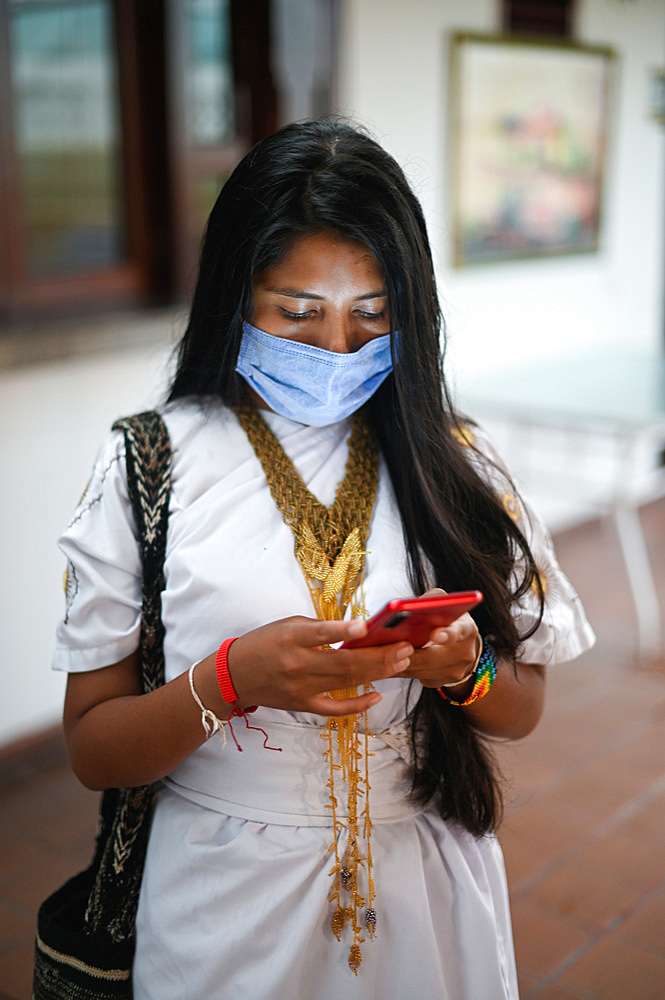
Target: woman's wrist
x=460 y=689
x=479 y=681
x=211 y=723
x=454 y=685
x=224 y=681
x=207 y=687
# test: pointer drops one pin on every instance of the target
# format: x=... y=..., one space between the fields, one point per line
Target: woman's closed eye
x=372 y=316
x=366 y=314
x=308 y=314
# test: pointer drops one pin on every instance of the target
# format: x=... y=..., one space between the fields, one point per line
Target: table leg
x=640 y=577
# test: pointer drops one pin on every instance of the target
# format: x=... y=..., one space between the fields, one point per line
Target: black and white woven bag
x=85 y=930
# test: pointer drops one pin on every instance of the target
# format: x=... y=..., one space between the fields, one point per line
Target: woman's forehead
x=320 y=258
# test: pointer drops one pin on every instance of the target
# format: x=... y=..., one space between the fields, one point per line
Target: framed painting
x=528 y=139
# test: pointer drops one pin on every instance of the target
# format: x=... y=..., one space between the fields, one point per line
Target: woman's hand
x=514 y=703
x=450 y=654
x=283 y=665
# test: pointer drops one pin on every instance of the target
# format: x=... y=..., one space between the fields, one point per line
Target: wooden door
x=73 y=214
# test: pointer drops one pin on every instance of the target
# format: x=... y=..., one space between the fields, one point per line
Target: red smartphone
x=412 y=619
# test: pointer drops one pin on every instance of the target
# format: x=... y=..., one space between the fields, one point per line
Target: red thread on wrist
x=223 y=676
x=230 y=695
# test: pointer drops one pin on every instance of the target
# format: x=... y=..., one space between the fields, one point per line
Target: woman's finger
x=311 y=632
x=340 y=668
x=463 y=629
x=324 y=704
x=439 y=663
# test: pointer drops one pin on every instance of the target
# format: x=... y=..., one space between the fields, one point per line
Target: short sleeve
x=102 y=616
x=564 y=631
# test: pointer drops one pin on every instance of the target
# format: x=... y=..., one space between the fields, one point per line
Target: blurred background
x=119 y=121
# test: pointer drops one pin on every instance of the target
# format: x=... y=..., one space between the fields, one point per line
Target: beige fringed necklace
x=330 y=548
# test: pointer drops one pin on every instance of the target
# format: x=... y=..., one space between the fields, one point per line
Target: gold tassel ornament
x=329 y=544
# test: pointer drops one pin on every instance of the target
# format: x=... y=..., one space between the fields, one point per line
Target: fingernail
x=356 y=628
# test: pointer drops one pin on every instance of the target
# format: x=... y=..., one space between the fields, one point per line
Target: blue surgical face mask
x=308 y=384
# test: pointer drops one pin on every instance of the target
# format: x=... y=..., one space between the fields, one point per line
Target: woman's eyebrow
x=295 y=293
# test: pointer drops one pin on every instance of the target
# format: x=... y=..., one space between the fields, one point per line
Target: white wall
x=394 y=78
x=53 y=418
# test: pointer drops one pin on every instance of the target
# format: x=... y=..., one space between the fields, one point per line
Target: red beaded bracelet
x=223 y=676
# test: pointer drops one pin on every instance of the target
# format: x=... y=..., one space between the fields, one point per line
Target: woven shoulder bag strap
x=148 y=458
x=125 y=812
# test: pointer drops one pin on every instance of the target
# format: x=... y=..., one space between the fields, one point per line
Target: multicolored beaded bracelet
x=485 y=674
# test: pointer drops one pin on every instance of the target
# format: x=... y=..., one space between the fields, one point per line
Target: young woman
x=319 y=470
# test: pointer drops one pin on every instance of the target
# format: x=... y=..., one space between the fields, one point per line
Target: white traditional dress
x=234 y=900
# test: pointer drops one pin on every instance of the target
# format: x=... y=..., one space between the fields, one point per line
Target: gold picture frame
x=529 y=125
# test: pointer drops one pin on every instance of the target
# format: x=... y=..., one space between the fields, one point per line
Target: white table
x=609 y=405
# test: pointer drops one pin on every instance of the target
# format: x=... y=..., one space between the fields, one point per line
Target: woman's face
x=326 y=291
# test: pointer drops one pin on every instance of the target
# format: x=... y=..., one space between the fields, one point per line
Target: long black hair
x=329 y=176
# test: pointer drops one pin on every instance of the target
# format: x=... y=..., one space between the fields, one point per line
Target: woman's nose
x=339 y=335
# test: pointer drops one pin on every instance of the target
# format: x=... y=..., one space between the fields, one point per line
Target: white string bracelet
x=209 y=720
x=456 y=684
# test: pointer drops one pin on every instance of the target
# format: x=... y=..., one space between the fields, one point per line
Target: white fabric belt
x=289 y=787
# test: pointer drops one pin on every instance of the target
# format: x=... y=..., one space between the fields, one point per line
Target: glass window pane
x=205 y=189
x=68 y=134
x=209 y=76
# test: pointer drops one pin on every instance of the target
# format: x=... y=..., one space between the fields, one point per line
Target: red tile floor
x=584 y=832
